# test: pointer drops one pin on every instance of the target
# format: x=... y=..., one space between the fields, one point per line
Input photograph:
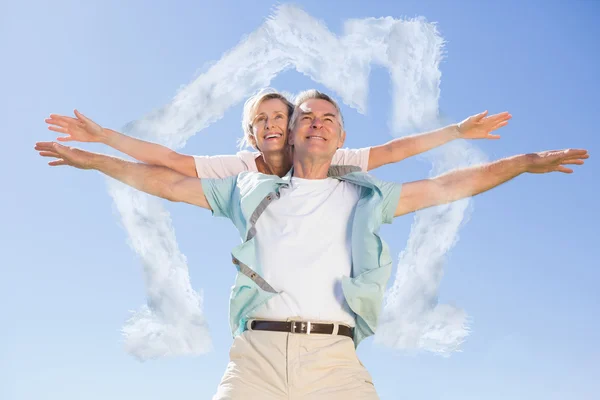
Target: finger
x=57 y=163
x=499 y=125
x=65 y=138
x=45 y=153
x=58 y=122
x=81 y=116
x=481 y=115
x=493 y=137
x=66 y=122
x=575 y=152
x=43 y=146
x=567 y=154
x=499 y=117
x=58 y=148
x=566 y=170
x=58 y=129
x=62 y=119
x=572 y=162
x=495 y=120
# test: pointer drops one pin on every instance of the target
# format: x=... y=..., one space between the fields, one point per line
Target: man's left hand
x=555 y=160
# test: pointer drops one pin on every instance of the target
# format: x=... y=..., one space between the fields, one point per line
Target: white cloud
x=172 y=323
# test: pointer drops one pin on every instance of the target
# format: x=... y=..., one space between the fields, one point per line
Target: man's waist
x=301 y=327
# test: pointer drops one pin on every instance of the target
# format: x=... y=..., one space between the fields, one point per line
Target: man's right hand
x=81 y=128
x=66 y=155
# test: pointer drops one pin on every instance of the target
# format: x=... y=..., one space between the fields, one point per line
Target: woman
x=265 y=123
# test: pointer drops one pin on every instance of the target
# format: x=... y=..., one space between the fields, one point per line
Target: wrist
x=109 y=136
x=523 y=162
x=454 y=131
x=97 y=161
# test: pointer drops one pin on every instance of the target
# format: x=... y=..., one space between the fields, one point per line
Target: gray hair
x=310 y=95
x=250 y=107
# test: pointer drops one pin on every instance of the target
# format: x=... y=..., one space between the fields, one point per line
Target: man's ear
x=342 y=139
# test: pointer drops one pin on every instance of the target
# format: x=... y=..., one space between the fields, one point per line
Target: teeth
x=316 y=137
x=273 y=136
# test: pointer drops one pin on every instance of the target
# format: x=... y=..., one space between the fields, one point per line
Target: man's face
x=317 y=131
x=270 y=125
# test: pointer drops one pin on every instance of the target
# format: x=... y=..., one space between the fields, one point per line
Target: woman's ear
x=252 y=140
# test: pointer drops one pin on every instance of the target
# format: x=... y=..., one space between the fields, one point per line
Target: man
x=311 y=269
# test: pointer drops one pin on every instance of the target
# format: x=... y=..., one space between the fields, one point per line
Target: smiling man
x=311 y=267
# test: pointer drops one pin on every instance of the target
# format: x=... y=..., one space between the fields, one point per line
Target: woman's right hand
x=81 y=128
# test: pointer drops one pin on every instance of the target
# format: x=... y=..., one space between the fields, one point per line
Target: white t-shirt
x=303 y=242
x=230 y=165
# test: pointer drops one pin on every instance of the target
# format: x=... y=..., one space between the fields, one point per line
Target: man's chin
x=315 y=153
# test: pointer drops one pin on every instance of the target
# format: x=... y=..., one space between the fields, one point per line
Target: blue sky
x=524 y=268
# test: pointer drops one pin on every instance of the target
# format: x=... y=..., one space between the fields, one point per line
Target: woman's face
x=270 y=124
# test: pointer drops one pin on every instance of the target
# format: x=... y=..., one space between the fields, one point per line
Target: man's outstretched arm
x=478 y=126
x=152 y=179
x=467 y=182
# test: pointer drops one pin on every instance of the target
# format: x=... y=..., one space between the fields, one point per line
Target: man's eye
x=328 y=119
x=306 y=117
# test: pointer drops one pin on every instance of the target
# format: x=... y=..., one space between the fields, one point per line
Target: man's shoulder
x=339 y=170
x=367 y=180
x=256 y=177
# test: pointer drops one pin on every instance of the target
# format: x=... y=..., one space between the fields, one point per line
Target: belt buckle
x=303 y=324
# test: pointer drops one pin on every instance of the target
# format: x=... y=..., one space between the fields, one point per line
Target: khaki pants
x=277 y=365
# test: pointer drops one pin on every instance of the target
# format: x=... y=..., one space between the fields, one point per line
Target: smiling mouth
x=316 y=138
x=273 y=136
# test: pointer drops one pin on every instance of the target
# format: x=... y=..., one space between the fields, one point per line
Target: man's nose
x=317 y=123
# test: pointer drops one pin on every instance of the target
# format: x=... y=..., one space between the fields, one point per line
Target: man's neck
x=277 y=163
x=311 y=169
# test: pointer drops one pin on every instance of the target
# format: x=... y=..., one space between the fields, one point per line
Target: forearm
x=152 y=179
x=399 y=149
x=474 y=180
x=416 y=144
x=150 y=153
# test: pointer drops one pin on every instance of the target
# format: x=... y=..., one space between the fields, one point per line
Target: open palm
x=80 y=129
x=481 y=125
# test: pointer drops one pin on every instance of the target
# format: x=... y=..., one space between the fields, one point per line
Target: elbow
x=170 y=192
x=166 y=190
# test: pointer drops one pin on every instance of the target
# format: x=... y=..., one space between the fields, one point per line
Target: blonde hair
x=310 y=95
x=250 y=107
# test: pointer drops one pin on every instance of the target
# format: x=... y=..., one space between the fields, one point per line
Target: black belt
x=300 y=327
